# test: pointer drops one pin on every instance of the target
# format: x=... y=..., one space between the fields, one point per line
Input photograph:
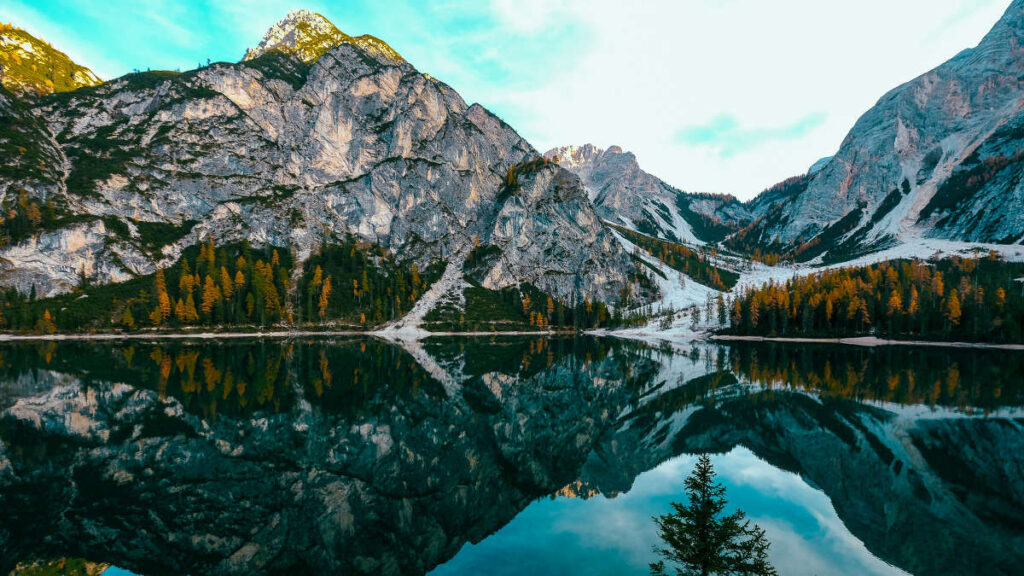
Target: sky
x=726 y=96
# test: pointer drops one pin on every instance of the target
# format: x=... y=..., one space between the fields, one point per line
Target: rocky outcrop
x=278 y=151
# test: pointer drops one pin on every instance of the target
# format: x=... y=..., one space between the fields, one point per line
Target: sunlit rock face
x=344 y=458
x=290 y=149
x=31 y=67
x=938 y=156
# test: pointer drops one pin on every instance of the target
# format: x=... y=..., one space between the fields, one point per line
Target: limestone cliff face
x=940 y=156
x=279 y=151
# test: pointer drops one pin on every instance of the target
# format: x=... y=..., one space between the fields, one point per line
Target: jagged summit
x=574 y=157
x=626 y=195
x=309 y=35
x=30 y=65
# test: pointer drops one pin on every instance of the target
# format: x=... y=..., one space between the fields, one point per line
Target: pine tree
x=191 y=314
x=895 y=304
x=325 y=293
x=179 y=310
x=700 y=540
x=163 y=308
x=45 y=325
x=185 y=281
x=951 y=309
x=226 y=285
x=415 y=275
x=210 y=296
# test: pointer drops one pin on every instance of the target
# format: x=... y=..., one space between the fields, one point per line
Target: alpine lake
x=503 y=455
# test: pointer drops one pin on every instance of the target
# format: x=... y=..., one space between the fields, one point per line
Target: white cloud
x=653 y=68
x=780 y=83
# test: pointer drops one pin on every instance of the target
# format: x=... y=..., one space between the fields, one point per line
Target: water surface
x=501 y=456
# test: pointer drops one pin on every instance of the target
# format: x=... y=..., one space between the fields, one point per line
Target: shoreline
x=419 y=335
x=868 y=342
x=385 y=334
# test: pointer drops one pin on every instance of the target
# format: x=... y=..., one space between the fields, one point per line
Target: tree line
x=955 y=299
x=359 y=283
x=353 y=283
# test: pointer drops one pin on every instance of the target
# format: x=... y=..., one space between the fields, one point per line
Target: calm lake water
x=504 y=456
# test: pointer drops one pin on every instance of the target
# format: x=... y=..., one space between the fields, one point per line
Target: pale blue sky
x=712 y=95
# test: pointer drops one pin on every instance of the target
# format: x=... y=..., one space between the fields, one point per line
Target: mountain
x=30 y=66
x=941 y=157
x=315 y=136
x=626 y=195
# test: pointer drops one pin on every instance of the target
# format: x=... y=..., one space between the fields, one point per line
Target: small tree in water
x=700 y=541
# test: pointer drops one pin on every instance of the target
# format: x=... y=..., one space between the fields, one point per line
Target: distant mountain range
x=316 y=135
x=938 y=157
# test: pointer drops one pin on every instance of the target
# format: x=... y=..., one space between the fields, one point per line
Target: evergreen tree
x=210 y=296
x=701 y=541
x=126 y=319
x=162 y=311
x=45 y=325
x=191 y=314
x=325 y=294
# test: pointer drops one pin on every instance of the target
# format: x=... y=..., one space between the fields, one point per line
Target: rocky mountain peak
x=574 y=157
x=29 y=65
x=309 y=35
x=628 y=196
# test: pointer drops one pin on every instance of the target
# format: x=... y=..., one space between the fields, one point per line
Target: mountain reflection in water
x=357 y=456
